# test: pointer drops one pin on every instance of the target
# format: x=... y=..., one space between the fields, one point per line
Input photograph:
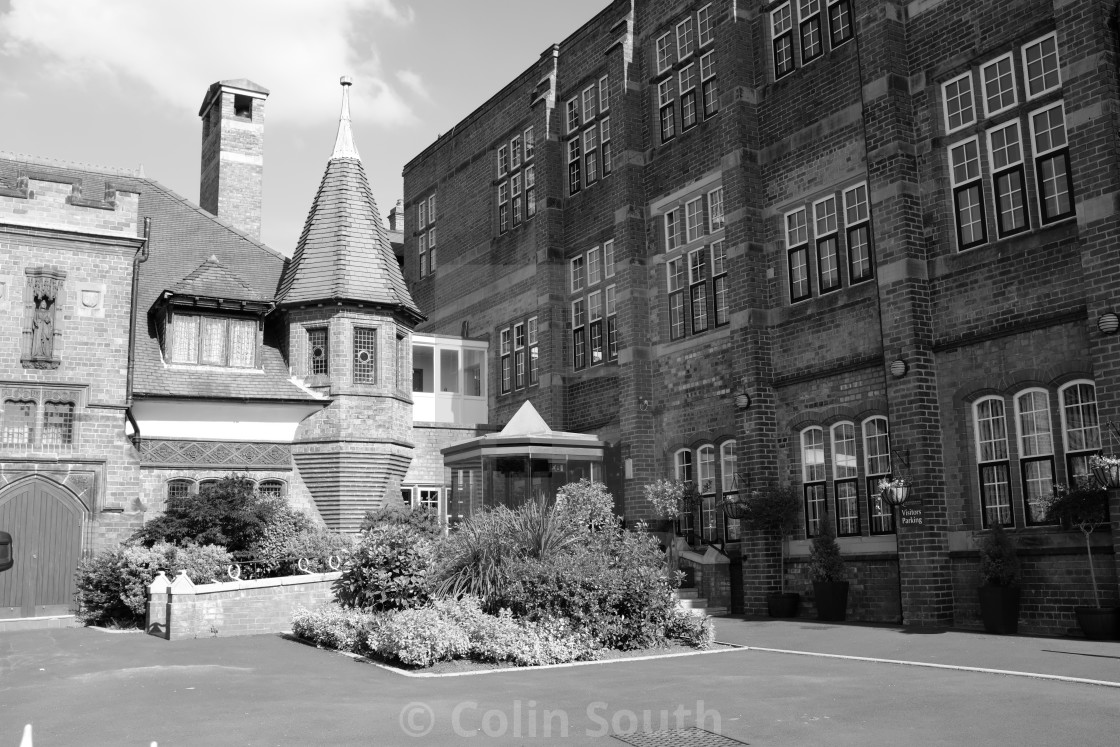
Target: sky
x=119 y=82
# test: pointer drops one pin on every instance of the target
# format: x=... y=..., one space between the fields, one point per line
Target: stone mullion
x=904 y=306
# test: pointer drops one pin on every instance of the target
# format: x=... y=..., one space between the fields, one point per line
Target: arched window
x=706 y=478
x=877 y=465
x=1036 y=452
x=271 y=488
x=813 y=478
x=179 y=488
x=992 y=461
x=58 y=424
x=682 y=470
x=729 y=471
x=845 y=477
x=1081 y=432
x=203 y=484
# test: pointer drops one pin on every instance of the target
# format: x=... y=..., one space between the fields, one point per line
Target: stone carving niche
x=40 y=331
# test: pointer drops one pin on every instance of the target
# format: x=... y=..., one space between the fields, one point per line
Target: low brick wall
x=179 y=609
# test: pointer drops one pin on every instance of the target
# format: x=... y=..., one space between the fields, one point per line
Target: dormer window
x=213 y=341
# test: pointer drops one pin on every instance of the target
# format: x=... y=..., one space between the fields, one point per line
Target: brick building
x=812 y=242
x=154 y=345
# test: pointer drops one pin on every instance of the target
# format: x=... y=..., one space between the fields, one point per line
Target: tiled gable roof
x=211 y=280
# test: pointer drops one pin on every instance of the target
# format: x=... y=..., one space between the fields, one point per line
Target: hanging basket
x=896 y=496
x=1107 y=475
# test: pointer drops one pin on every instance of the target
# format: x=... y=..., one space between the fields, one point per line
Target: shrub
x=395 y=513
x=229 y=513
x=589 y=504
x=665 y=497
x=419 y=637
x=470 y=560
x=825 y=561
x=622 y=597
x=697 y=631
x=333 y=627
x=112 y=586
x=284 y=543
x=388 y=570
x=999 y=562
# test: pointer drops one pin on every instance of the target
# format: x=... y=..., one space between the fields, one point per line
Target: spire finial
x=344 y=144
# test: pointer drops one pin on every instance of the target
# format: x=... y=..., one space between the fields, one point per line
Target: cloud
x=297 y=49
x=413 y=82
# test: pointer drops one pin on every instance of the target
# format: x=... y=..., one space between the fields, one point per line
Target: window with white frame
x=682 y=471
x=426 y=244
x=594 y=318
x=828 y=244
x=1036 y=452
x=809 y=25
x=579 y=334
x=715 y=210
x=797 y=253
x=698 y=289
x=704 y=27
x=693 y=219
x=179 y=488
x=720 y=299
x=800 y=41
x=595 y=326
x=845 y=482
x=992 y=461
x=672 y=230
x=588 y=146
x=534 y=351
x=877 y=466
x=675 y=285
x=520 y=368
x=706 y=479
x=505 y=350
x=694 y=82
x=1081 y=435
x=857 y=225
x=729 y=483
x=813 y=479
x=1018 y=136
x=686 y=78
x=516 y=181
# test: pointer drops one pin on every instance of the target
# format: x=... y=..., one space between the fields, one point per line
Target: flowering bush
x=112 y=586
x=665 y=497
x=333 y=627
x=587 y=503
x=697 y=631
x=388 y=570
x=419 y=637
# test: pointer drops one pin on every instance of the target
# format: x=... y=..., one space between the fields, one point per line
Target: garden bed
x=463 y=667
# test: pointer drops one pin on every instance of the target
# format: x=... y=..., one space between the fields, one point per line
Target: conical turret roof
x=344 y=252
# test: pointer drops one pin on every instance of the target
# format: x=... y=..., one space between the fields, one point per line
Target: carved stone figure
x=42 y=329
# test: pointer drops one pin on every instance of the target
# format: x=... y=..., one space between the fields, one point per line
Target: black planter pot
x=783 y=605
x=1098 y=623
x=831 y=598
x=999 y=608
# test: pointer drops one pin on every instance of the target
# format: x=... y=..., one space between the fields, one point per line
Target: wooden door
x=45 y=522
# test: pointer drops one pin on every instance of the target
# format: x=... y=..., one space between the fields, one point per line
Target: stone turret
x=350 y=319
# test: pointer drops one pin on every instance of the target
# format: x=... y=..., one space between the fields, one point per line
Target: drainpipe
x=141 y=256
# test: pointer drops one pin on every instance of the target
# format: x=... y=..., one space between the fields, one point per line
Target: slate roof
x=344 y=251
x=211 y=280
x=183 y=237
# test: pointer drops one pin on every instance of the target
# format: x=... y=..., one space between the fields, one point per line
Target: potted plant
x=999 y=592
x=826 y=569
x=1085 y=506
x=667 y=498
x=774 y=510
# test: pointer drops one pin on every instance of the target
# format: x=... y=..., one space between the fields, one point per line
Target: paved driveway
x=84 y=687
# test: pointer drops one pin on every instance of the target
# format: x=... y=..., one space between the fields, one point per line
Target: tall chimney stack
x=233 y=153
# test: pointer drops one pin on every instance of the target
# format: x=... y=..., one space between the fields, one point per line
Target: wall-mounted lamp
x=1108 y=323
x=742 y=400
x=899 y=368
x=643 y=404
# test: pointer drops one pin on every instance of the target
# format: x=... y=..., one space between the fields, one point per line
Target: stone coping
x=183 y=585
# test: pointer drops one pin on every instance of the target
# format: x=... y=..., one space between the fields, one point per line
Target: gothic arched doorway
x=45 y=521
